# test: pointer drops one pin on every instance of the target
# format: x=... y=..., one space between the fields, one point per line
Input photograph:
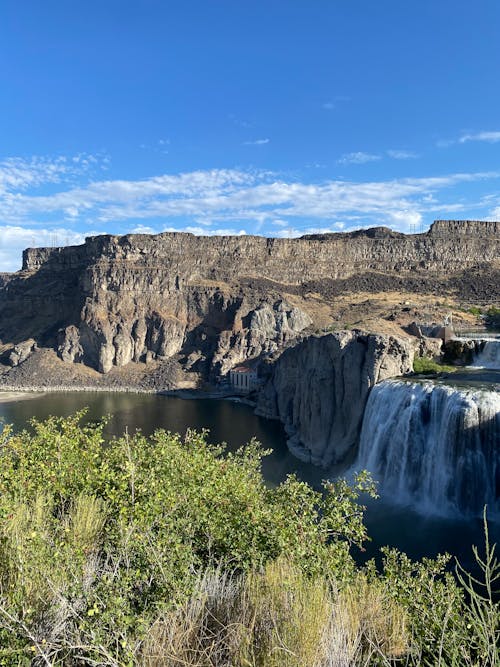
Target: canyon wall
x=318 y=389
x=448 y=246
x=219 y=301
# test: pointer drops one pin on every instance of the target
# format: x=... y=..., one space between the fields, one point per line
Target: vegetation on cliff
x=169 y=551
x=425 y=365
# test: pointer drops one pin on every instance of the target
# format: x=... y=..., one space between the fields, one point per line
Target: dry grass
x=85 y=522
x=278 y=618
x=370 y=616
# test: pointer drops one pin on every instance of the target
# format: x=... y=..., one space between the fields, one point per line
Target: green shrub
x=493 y=317
x=96 y=539
x=167 y=551
x=426 y=365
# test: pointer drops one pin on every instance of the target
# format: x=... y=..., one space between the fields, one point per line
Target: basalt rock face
x=219 y=301
x=449 y=246
x=319 y=387
x=140 y=298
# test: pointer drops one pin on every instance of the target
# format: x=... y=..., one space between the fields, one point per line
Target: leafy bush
x=98 y=538
x=493 y=317
x=165 y=551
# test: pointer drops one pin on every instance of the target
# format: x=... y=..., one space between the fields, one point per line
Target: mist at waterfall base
x=388 y=523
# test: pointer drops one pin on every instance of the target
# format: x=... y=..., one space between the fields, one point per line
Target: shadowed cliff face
x=319 y=389
x=218 y=301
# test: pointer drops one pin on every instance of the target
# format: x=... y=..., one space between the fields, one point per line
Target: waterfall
x=434 y=446
x=489 y=355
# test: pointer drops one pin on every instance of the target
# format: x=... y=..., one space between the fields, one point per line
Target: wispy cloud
x=37 y=202
x=358 y=157
x=402 y=155
x=240 y=122
x=256 y=142
x=295 y=232
x=489 y=137
x=18 y=174
x=333 y=103
x=203 y=231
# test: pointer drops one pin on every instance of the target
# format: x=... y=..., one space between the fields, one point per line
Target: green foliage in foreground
x=169 y=551
x=426 y=365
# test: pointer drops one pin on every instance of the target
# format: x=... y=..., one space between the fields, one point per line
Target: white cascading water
x=489 y=356
x=434 y=446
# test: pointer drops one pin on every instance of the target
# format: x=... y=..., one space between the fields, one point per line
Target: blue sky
x=274 y=117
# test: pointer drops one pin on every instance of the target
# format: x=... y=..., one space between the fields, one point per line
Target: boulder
x=20 y=352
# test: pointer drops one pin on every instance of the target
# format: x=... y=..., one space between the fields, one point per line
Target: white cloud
x=294 y=232
x=402 y=155
x=17 y=174
x=211 y=196
x=217 y=201
x=143 y=229
x=256 y=142
x=202 y=231
x=490 y=137
x=331 y=104
x=20 y=173
x=358 y=157
x=13 y=240
x=406 y=220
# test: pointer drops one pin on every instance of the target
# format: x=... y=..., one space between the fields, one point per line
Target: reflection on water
x=235 y=424
x=229 y=422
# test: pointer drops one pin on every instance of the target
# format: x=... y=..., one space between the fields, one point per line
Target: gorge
x=324 y=319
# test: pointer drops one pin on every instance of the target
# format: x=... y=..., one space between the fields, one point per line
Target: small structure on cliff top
x=243 y=379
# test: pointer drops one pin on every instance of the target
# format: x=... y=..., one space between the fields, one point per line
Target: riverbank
x=16 y=395
x=44 y=371
x=37 y=389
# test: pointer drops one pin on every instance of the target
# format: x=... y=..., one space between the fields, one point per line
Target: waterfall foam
x=434 y=446
x=489 y=356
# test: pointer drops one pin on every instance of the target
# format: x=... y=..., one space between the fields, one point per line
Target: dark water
x=235 y=424
x=230 y=422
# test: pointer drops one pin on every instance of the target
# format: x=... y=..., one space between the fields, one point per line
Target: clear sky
x=274 y=117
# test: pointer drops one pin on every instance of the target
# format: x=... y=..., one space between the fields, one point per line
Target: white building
x=242 y=378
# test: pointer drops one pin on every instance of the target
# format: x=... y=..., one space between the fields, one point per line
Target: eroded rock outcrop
x=319 y=387
x=20 y=352
x=263 y=330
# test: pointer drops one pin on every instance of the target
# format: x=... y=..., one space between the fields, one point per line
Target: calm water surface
x=235 y=424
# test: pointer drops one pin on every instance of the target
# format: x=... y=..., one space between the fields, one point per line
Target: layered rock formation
x=319 y=388
x=218 y=301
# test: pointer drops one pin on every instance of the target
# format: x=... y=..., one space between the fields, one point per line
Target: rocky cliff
x=214 y=302
x=318 y=389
